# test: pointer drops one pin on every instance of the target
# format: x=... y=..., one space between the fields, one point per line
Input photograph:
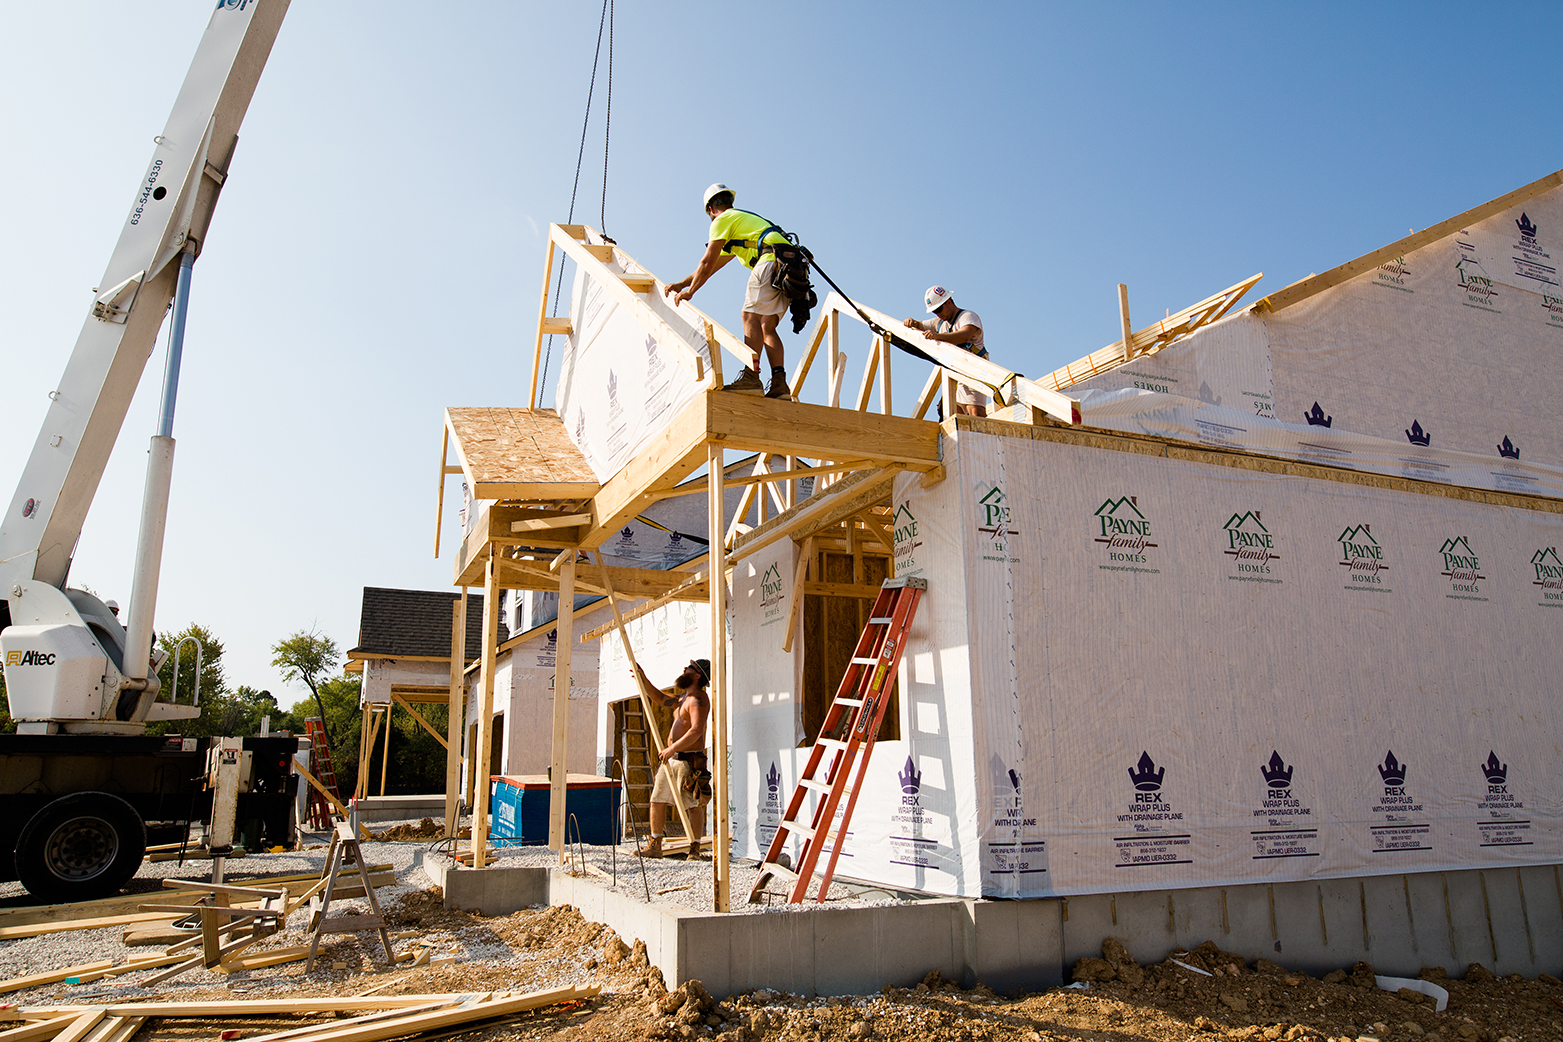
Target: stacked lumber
x=378 y=1018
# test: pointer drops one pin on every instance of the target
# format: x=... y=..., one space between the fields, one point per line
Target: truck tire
x=81 y=846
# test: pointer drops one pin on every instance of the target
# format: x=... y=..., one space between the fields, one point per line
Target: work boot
x=653 y=847
x=748 y=382
x=779 y=388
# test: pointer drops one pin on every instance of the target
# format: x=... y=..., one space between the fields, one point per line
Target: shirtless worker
x=951 y=325
x=738 y=233
x=682 y=774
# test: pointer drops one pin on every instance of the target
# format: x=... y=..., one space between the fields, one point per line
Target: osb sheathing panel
x=518 y=454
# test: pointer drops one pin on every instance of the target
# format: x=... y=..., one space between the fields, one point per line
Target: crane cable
x=605 y=19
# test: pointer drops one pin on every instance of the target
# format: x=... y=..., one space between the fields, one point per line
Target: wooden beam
x=653 y=729
x=439 y=503
x=802 y=472
x=538 y=524
x=745 y=422
x=795 y=607
x=632 y=582
x=886 y=398
x=1123 y=318
x=561 y=735
x=456 y=718
x=869 y=368
x=930 y=391
x=480 y=760
x=684 y=591
x=876 y=529
x=672 y=455
x=557 y=326
x=857 y=591
x=821 y=510
x=420 y=721
x=385 y=757
x=542 y=315
x=1305 y=288
x=721 y=833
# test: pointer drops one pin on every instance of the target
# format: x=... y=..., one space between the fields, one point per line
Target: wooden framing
x=455 y=725
x=1149 y=340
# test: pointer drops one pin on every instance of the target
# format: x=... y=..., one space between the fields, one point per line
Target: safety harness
x=791 y=274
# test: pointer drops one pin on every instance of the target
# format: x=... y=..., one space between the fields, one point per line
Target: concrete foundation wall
x=1509 y=920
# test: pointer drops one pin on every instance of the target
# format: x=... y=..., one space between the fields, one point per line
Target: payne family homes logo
x=904 y=523
x=1124 y=533
x=1549 y=576
x=1472 y=278
x=1250 y=547
x=994 y=524
x=773 y=595
x=1463 y=568
x=1393 y=275
x=1363 y=558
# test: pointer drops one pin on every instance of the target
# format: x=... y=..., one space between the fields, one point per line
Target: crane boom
x=172 y=208
x=69 y=663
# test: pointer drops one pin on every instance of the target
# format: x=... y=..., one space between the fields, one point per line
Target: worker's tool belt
x=697 y=782
x=791 y=273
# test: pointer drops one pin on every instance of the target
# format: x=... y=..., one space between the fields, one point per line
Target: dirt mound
x=428 y=828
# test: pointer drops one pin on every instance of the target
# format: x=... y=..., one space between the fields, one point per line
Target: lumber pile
x=377 y=1018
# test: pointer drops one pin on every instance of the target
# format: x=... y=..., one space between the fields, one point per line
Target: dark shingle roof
x=416 y=622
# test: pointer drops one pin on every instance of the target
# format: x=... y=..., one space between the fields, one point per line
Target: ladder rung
x=849 y=701
x=799 y=828
x=817 y=786
x=831 y=742
x=865 y=662
x=779 y=872
x=881 y=622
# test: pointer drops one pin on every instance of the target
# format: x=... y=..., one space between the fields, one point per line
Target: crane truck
x=82 y=778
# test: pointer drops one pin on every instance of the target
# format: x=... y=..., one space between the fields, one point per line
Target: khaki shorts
x=964 y=395
x=673 y=778
x=760 y=297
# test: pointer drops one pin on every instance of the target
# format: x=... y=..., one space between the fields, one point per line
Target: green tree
x=212 y=685
x=337 y=699
x=308 y=657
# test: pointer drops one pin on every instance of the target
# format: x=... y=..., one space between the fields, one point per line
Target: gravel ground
x=677 y=882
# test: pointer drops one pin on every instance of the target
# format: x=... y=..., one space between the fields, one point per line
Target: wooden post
x=481 y=760
x=885 y=350
x=557 y=776
x=542 y=313
x=949 y=394
x=717 y=732
x=455 y=721
x=834 y=390
x=385 y=757
x=1123 y=315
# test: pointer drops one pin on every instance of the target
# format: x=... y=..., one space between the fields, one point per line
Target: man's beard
x=684 y=682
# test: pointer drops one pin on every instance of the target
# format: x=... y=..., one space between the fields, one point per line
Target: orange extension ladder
x=846 y=739
x=320 y=810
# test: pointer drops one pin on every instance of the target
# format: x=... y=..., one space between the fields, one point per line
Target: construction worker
x=951 y=325
x=682 y=774
x=739 y=233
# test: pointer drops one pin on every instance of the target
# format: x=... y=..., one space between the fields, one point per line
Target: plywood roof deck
x=518 y=454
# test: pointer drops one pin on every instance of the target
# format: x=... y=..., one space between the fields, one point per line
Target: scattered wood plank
x=33 y=980
x=40 y=1030
x=79 y=1027
x=10 y=933
x=263 y=960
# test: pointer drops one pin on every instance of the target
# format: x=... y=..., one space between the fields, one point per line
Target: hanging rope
x=607 y=128
x=603 y=20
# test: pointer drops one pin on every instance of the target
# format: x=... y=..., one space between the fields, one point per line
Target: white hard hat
x=715 y=189
x=112 y=606
x=935 y=298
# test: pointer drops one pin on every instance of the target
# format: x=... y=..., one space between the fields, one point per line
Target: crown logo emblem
x=1507 y=449
x=911 y=778
x=1393 y=771
x=1316 y=417
x=1014 y=779
x=675 y=538
x=627 y=532
x=1148 y=776
x=1417 y=436
x=1526 y=227
x=1497 y=773
x=773 y=778
x=651 y=346
x=553 y=636
x=580 y=427
x=1277 y=774
x=613 y=384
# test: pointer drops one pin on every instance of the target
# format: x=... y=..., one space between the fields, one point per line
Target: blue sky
x=377 y=252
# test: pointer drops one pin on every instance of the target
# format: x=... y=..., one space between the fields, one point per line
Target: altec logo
x=1125 y=531
x=1549 y=573
x=1250 y=543
x=29 y=658
x=1461 y=565
x=1361 y=553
